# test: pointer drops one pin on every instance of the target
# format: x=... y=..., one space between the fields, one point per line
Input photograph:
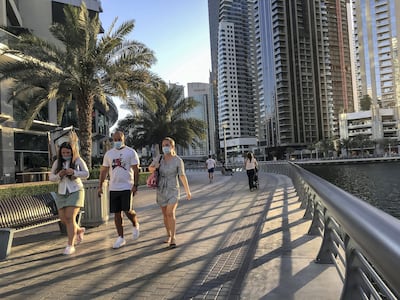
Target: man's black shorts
x=120 y=201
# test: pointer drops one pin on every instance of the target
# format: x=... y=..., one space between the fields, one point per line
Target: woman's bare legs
x=164 y=212
x=68 y=217
x=171 y=221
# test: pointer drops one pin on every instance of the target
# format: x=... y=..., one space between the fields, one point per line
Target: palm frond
x=165 y=115
x=83 y=66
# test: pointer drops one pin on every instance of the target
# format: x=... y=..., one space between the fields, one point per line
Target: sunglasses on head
x=65 y=145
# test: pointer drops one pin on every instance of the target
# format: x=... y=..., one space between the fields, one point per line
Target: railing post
x=316 y=222
x=352 y=279
x=309 y=207
x=303 y=194
x=326 y=250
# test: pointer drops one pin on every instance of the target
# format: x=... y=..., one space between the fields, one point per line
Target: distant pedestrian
x=210 y=165
x=250 y=165
x=122 y=165
x=67 y=170
x=171 y=167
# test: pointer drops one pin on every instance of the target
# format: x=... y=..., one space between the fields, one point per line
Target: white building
x=378 y=125
x=232 y=45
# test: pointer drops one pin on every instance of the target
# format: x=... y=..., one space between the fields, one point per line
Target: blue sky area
x=176 y=30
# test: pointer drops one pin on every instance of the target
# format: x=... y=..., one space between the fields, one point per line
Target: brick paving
x=232 y=244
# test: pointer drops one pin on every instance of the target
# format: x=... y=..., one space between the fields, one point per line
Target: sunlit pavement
x=232 y=244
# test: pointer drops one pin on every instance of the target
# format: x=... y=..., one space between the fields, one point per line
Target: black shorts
x=120 y=201
x=211 y=170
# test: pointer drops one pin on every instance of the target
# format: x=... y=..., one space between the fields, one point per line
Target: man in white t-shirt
x=210 y=165
x=122 y=165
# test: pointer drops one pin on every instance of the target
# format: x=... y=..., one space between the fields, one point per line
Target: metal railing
x=22 y=177
x=7 y=38
x=362 y=241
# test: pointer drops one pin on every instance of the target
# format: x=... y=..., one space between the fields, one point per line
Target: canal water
x=377 y=183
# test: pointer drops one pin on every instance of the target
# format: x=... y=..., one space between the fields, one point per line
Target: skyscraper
x=304 y=74
x=213 y=12
x=376 y=38
x=232 y=53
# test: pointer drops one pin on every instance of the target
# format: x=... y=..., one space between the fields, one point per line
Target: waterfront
x=377 y=183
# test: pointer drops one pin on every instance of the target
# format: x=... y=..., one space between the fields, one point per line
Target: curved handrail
x=367 y=230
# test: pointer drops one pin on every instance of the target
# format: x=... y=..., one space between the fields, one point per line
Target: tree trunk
x=85 y=117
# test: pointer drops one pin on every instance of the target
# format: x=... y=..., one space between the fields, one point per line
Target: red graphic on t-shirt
x=118 y=162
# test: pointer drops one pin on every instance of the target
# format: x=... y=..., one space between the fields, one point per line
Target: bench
x=26 y=212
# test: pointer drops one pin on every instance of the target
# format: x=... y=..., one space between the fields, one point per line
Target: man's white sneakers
x=136 y=232
x=119 y=243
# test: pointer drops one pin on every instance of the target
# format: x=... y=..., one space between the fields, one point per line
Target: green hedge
x=143 y=177
x=95 y=173
x=21 y=189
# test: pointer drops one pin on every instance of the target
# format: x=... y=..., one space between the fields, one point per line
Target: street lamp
x=225 y=154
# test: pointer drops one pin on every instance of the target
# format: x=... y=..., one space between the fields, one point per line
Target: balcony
x=7 y=40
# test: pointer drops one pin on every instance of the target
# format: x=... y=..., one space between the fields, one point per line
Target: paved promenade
x=232 y=244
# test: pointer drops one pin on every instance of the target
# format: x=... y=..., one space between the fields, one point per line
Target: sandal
x=172 y=244
x=167 y=240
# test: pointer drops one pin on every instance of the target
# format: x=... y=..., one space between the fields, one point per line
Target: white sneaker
x=136 y=232
x=69 y=250
x=119 y=243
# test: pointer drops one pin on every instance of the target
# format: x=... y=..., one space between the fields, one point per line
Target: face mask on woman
x=117 y=144
x=67 y=158
x=166 y=149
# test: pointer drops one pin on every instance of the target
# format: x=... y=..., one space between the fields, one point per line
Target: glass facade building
x=376 y=38
x=304 y=70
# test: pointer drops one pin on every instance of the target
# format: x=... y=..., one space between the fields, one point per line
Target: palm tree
x=326 y=146
x=166 y=115
x=82 y=66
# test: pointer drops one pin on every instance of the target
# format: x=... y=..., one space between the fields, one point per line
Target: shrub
x=31 y=188
x=95 y=174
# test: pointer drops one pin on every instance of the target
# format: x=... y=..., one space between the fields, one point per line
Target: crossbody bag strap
x=159 y=161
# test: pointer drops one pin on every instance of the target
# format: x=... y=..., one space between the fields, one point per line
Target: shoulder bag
x=152 y=180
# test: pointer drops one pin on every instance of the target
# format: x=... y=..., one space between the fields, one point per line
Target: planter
x=96 y=208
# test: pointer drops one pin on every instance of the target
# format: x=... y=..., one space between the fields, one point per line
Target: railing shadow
x=359 y=239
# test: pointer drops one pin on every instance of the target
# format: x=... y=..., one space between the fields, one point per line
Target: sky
x=176 y=30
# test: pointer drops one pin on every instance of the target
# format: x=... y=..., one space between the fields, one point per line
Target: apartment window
x=57 y=10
